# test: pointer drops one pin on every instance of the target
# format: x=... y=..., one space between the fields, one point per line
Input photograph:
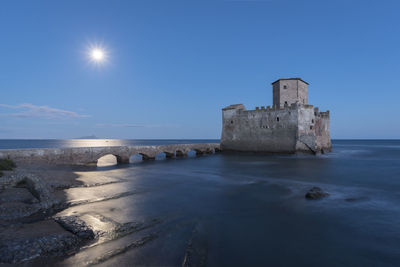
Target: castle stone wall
x=306 y=139
x=260 y=130
x=292 y=125
x=322 y=130
x=297 y=128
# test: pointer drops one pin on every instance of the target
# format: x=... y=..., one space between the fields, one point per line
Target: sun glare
x=97 y=54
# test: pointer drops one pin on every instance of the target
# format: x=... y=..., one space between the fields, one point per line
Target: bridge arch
x=135 y=158
x=110 y=160
x=192 y=153
x=160 y=156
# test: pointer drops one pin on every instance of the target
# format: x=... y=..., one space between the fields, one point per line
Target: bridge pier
x=199 y=152
x=169 y=155
x=147 y=157
x=122 y=159
x=180 y=154
x=209 y=151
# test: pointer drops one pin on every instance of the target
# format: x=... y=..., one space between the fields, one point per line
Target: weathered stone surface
x=17 y=210
x=316 y=193
x=289 y=91
x=17 y=195
x=92 y=225
x=90 y=155
x=76 y=226
x=19 y=243
x=24 y=194
x=290 y=126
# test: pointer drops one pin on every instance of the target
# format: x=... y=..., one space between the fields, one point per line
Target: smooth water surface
x=249 y=210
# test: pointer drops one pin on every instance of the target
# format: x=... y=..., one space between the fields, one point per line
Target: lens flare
x=97 y=54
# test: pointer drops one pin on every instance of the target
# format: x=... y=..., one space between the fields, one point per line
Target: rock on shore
x=19 y=243
x=26 y=231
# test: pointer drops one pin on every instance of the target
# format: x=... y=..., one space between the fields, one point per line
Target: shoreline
x=33 y=197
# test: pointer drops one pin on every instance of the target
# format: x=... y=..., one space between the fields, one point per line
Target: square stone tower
x=289 y=91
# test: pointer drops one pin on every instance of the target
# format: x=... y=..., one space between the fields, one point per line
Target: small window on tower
x=285 y=102
x=277 y=118
x=284 y=87
x=231 y=122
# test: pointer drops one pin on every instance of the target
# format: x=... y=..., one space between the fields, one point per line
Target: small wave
x=344 y=153
x=259 y=163
x=371 y=146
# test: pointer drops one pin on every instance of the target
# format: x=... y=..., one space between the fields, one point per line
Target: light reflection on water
x=107 y=160
x=250 y=210
x=57 y=143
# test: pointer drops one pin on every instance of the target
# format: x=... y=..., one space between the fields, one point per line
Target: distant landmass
x=88 y=137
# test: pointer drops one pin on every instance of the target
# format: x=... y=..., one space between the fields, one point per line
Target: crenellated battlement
x=321 y=114
x=293 y=106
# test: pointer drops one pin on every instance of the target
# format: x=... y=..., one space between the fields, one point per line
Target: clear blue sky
x=172 y=65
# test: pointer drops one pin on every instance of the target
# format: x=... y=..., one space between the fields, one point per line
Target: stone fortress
x=290 y=126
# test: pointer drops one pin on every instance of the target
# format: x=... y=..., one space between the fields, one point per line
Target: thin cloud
x=33 y=111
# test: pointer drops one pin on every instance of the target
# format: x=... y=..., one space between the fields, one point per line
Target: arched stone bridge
x=90 y=155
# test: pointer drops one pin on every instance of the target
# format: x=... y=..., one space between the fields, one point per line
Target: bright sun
x=97 y=55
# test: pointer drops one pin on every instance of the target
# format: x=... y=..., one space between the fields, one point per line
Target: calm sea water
x=250 y=210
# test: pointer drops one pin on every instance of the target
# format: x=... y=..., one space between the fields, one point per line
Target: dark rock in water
x=353 y=199
x=316 y=193
x=76 y=226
